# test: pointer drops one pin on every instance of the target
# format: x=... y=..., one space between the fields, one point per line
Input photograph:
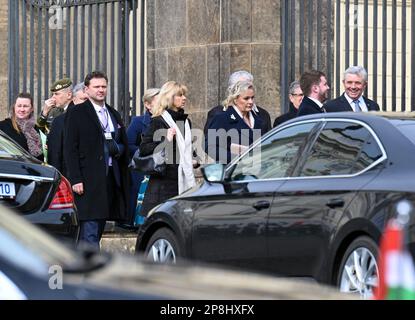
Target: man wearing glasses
x=296 y=96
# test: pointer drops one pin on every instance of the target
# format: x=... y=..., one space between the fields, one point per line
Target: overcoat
x=86 y=158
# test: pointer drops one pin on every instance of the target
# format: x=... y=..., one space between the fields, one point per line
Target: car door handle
x=335 y=203
x=262 y=205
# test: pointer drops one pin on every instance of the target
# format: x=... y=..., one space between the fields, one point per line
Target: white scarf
x=186 y=178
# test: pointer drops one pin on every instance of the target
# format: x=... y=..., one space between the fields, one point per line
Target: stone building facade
x=3 y=57
x=201 y=42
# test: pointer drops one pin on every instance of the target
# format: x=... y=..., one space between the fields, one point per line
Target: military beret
x=61 y=84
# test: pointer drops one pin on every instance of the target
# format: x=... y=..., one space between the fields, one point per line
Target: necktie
x=356 y=106
x=103 y=118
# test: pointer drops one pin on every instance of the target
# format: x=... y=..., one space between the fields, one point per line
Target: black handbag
x=153 y=164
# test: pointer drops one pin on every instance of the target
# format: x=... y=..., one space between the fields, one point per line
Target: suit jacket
x=308 y=106
x=262 y=113
x=86 y=157
x=55 y=142
x=238 y=133
x=341 y=104
x=291 y=114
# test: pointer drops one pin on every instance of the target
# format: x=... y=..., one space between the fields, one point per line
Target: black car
x=37 y=191
x=310 y=199
x=33 y=265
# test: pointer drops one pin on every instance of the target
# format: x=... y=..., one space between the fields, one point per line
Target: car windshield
x=8 y=149
x=29 y=248
x=407 y=128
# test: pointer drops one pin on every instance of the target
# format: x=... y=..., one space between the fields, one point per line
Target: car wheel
x=163 y=247
x=359 y=272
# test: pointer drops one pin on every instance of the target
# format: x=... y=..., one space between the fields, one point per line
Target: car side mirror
x=213 y=172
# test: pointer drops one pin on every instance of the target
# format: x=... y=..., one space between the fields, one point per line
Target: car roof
x=369 y=117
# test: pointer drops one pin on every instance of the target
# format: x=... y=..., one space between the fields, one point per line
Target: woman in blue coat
x=135 y=131
x=231 y=132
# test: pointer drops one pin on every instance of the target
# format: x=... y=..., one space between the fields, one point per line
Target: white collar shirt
x=251 y=117
x=98 y=110
x=362 y=103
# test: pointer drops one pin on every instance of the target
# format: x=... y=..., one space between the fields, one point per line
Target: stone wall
x=3 y=58
x=201 y=42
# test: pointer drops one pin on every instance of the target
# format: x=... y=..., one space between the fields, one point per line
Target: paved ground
x=118 y=240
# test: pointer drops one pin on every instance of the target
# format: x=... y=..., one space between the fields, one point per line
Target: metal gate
x=52 y=39
x=331 y=35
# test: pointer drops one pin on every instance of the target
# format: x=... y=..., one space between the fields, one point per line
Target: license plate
x=7 y=189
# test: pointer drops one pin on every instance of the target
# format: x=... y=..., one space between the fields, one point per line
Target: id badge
x=108 y=135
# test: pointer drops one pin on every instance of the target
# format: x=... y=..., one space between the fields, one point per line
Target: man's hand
x=78 y=188
x=49 y=104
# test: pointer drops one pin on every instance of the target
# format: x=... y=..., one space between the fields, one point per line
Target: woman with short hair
x=231 y=132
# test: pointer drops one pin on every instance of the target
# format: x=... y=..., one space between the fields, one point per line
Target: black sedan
x=33 y=265
x=37 y=191
x=310 y=199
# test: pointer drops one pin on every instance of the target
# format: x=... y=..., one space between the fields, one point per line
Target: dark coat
x=291 y=114
x=214 y=144
x=7 y=127
x=262 y=113
x=55 y=142
x=308 y=106
x=135 y=132
x=86 y=157
x=341 y=104
x=161 y=188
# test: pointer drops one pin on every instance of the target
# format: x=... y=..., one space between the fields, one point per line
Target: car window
x=274 y=156
x=9 y=149
x=369 y=154
x=341 y=148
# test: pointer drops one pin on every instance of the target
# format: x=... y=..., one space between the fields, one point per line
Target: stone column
x=201 y=42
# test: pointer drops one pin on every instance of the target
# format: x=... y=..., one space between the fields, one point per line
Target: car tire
x=163 y=247
x=359 y=272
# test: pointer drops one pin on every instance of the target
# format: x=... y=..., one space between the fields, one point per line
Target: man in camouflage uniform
x=56 y=105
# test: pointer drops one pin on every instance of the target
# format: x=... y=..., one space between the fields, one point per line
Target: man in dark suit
x=96 y=155
x=296 y=96
x=263 y=114
x=354 y=82
x=55 y=136
x=315 y=88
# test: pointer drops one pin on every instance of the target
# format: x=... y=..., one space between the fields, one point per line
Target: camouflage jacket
x=45 y=123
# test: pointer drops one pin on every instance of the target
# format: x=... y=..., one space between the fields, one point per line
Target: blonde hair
x=166 y=96
x=149 y=94
x=236 y=90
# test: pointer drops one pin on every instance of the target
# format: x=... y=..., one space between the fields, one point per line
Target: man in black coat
x=296 y=97
x=263 y=114
x=55 y=136
x=355 y=83
x=315 y=88
x=96 y=155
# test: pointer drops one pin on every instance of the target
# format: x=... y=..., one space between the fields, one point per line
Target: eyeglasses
x=297 y=94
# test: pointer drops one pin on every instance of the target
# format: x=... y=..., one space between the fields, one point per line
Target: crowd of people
x=86 y=140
